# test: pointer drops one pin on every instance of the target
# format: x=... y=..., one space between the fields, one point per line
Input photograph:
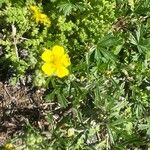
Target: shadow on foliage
x=6 y=69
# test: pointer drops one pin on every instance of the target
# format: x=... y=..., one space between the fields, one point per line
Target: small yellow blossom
x=71 y=132
x=39 y=17
x=8 y=146
x=56 y=62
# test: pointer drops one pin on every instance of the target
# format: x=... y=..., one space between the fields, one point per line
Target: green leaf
x=133 y=40
x=109 y=41
x=61 y=99
x=131 y=3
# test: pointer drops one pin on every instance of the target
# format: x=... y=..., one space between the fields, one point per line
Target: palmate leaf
x=67 y=7
x=138 y=40
x=109 y=41
x=103 y=50
x=106 y=55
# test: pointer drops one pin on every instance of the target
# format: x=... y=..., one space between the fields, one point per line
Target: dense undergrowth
x=102 y=75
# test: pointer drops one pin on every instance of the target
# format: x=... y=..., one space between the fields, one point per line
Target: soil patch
x=19 y=104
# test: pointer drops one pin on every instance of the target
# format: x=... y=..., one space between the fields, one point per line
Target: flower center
x=57 y=62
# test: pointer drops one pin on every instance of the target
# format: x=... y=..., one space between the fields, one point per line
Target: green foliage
x=105 y=99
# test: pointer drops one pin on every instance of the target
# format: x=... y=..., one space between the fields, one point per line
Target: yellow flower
x=56 y=62
x=39 y=17
x=71 y=132
x=34 y=8
x=8 y=146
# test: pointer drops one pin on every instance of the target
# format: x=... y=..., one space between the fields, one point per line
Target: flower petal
x=48 y=69
x=34 y=9
x=62 y=71
x=66 y=60
x=47 y=55
x=58 y=51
